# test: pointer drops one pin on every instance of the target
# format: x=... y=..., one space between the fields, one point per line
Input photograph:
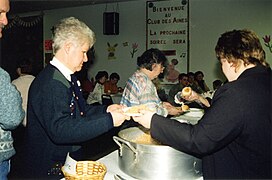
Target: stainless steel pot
x=144 y=161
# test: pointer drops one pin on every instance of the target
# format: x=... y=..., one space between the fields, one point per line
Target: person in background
x=200 y=81
x=182 y=82
x=209 y=94
x=58 y=118
x=161 y=92
x=140 y=89
x=216 y=84
x=11 y=111
x=87 y=84
x=233 y=138
x=110 y=86
x=193 y=84
x=94 y=97
x=23 y=82
x=195 y=100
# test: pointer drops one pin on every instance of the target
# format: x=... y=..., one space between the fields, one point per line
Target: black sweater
x=234 y=136
x=51 y=130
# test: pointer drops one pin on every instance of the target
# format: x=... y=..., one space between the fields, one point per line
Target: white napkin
x=70 y=165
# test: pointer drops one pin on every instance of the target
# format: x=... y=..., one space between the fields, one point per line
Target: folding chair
x=106 y=99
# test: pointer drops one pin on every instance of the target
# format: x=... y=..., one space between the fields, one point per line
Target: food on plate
x=185 y=107
x=187 y=91
x=136 y=109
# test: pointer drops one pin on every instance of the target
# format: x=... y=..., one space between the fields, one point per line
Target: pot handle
x=119 y=141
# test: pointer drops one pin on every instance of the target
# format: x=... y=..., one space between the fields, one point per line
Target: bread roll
x=185 y=107
x=187 y=91
x=136 y=109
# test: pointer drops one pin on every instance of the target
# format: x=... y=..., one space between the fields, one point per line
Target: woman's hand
x=115 y=107
x=117 y=114
x=192 y=97
x=145 y=118
x=172 y=110
x=198 y=98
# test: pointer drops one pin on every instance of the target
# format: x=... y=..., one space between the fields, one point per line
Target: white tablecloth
x=116 y=98
x=186 y=118
x=111 y=162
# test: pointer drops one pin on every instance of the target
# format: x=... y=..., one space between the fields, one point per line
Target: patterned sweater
x=141 y=90
x=11 y=114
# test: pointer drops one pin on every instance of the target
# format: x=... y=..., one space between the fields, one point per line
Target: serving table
x=116 y=98
x=111 y=162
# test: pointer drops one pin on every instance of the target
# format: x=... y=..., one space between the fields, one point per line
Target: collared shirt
x=75 y=86
x=95 y=96
x=141 y=90
x=62 y=68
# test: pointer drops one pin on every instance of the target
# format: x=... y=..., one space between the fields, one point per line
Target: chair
x=106 y=99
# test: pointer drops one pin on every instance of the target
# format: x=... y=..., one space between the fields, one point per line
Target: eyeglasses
x=161 y=67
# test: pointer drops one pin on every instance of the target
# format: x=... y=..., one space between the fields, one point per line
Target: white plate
x=194 y=112
x=130 y=114
x=187 y=119
x=196 y=109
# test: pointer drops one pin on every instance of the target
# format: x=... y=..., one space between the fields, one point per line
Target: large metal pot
x=144 y=161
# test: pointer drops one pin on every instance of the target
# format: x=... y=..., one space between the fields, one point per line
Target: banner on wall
x=167 y=29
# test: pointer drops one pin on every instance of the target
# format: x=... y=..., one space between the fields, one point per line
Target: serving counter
x=111 y=160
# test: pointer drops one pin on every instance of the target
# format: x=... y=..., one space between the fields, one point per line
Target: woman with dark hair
x=200 y=81
x=233 y=138
x=95 y=96
x=140 y=88
x=110 y=86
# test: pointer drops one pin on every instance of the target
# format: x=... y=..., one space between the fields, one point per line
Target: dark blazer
x=234 y=136
x=51 y=131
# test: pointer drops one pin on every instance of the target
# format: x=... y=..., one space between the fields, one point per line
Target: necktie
x=77 y=94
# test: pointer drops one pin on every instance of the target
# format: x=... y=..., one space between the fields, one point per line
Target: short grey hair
x=73 y=30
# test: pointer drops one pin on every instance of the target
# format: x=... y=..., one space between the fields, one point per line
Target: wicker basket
x=92 y=170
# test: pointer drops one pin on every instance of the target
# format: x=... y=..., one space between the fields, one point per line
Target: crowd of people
x=233 y=138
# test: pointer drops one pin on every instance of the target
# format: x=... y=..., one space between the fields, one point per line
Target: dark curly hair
x=243 y=45
x=115 y=76
x=101 y=74
x=150 y=57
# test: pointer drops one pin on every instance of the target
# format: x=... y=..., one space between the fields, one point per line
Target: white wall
x=208 y=20
x=211 y=18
